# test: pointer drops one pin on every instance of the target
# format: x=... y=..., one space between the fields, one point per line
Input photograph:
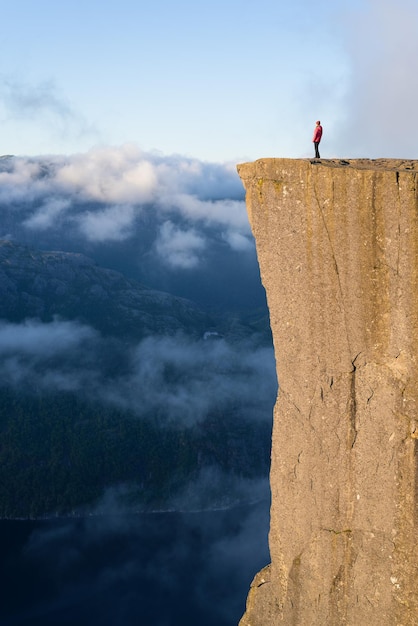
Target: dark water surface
x=160 y=569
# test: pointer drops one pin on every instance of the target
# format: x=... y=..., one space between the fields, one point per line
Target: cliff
x=337 y=243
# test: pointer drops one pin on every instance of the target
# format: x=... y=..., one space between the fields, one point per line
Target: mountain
x=107 y=386
x=41 y=284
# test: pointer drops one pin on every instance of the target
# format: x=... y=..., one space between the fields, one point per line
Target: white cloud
x=41 y=340
x=121 y=184
x=22 y=182
x=113 y=223
x=39 y=355
x=179 y=248
x=120 y=175
x=382 y=44
x=238 y=242
x=48 y=214
x=230 y=213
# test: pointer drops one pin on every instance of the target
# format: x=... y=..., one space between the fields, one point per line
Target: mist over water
x=167 y=569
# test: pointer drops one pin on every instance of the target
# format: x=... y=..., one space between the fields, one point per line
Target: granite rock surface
x=337 y=244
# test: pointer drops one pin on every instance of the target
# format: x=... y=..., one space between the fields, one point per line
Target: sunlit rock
x=337 y=243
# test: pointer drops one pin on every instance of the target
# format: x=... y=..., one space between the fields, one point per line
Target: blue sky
x=221 y=81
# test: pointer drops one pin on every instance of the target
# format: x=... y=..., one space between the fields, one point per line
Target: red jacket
x=317 y=134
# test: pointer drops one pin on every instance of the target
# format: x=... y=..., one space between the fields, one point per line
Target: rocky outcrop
x=337 y=243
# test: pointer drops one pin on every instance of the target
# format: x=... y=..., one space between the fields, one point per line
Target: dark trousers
x=316 y=144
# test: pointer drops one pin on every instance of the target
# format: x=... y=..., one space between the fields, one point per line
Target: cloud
x=111 y=175
x=48 y=214
x=42 y=104
x=112 y=223
x=226 y=212
x=33 y=338
x=181 y=378
x=178 y=247
x=51 y=357
x=189 y=378
x=21 y=181
x=175 y=207
x=238 y=242
x=126 y=175
x=382 y=47
x=142 y=214
x=25 y=101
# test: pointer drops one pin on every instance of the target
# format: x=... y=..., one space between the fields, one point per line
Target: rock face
x=337 y=243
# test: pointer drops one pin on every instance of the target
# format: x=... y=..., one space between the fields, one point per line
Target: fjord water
x=158 y=569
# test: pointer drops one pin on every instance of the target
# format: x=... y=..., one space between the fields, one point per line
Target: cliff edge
x=337 y=244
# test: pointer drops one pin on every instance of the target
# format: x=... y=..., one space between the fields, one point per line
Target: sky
x=220 y=81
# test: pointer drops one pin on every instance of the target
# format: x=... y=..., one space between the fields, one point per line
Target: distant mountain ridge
x=40 y=284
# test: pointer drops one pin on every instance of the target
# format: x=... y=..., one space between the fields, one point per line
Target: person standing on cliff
x=317 y=138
